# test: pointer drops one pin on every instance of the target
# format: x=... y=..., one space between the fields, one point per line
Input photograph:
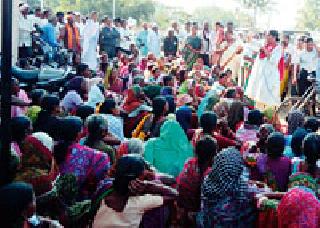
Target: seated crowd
x=173 y=151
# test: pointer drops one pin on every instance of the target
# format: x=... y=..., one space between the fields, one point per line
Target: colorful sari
x=191 y=57
x=88 y=165
x=37 y=166
x=189 y=183
x=299 y=208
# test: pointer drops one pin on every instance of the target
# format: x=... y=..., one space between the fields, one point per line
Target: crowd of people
x=178 y=131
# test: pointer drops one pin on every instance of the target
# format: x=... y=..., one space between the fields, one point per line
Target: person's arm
x=151 y=187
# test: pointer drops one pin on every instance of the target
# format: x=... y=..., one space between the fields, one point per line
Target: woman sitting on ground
x=273 y=167
x=88 y=165
x=195 y=170
x=130 y=196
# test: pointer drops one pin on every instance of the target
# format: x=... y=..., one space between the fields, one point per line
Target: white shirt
x=25 y=29
x=206 y=41
x=131 y=215
x=125 y=39
x=308 y=60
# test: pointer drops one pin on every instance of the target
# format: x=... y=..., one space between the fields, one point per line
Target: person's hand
x=139 y=187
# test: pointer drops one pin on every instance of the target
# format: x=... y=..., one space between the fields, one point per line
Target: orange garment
x=70 y=31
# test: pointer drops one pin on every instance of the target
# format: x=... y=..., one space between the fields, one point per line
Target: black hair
x=49 y=102
x=231 y=93
x=107 y=106
x=205 y=149
x=208 y=122
x=69 y=128
x=166 y=80
x=275 y=145
x=309 y=40
x=19 y=126
x=255 y=117
x=158 y=105
x=275 y=34
x=171 y=103
x=311 y=149
x=97 y=124
x=81 y=68
x=37 y=95
x=83 y=111
x=182 y=75
x=236 y=114
x=296 y=142
x=128 y=168
x=312 y=124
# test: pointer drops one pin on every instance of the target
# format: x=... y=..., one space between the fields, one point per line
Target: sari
x=299 y=208
x=37 y=166
x=89 y=167
x=169 y=152
x=189 y=184
x=189 y=56
x=132 y=101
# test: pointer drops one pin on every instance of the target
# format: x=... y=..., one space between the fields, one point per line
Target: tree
x=257 y=6
x=309 y=15
x=213 y=14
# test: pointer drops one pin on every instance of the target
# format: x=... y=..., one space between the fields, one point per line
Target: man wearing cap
x=25 y=29
x=142 y=41
x=170 y=44
x=154 y=41
x=108 y=38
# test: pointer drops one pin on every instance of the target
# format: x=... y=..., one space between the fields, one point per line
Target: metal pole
x=6 y=89
x=114 y=9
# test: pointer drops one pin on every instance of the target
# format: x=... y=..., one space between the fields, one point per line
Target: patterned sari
x=88 y=165
x=190 y=57
x=37 y=166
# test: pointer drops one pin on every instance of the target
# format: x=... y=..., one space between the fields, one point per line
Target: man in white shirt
x=183 y=35
x=125 y=37
x=206 y=41
x=79 y=25
x=154 y=41
x=308 y=64
x=25 y=29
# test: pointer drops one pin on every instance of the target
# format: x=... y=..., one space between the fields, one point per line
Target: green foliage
x=261 y=5
x=138 y=9
x=214 y=14
x=309 y=15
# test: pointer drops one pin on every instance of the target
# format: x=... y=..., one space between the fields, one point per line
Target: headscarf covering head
x=226 y=179
x=71 y=101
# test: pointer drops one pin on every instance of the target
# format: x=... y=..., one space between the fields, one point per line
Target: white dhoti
x=264 y=82
x=90 y=43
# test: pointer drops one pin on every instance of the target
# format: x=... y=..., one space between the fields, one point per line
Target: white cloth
x=131 y=215
x=153 y=42
x=125 y=38
x=308 y=60
x=264 y=82
x=233 y=60
x=95 y=96
x=90 y=43
x=25 y=29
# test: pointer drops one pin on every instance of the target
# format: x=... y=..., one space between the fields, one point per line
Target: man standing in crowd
x=25 y=29
x=118 y=27
x=71 y=36
x=184 y=34
x=49 y=32
x=308 y=63
x=154 y=41
x=108 y=38
x=206 y=40
x=142 y=41
x=90 y=42
x=296 y=57
x=170 y=44
x=125 y=37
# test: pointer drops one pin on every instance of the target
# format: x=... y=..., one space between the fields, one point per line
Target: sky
x=284 y=18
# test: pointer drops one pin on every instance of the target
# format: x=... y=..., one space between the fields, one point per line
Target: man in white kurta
x=154 y=41
x=90 y=42
x=264 y=82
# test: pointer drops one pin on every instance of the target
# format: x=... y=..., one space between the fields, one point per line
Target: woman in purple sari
x=88 y=165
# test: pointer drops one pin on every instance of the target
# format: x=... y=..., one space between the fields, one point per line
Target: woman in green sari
x=192 y=48
x=169 y=152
